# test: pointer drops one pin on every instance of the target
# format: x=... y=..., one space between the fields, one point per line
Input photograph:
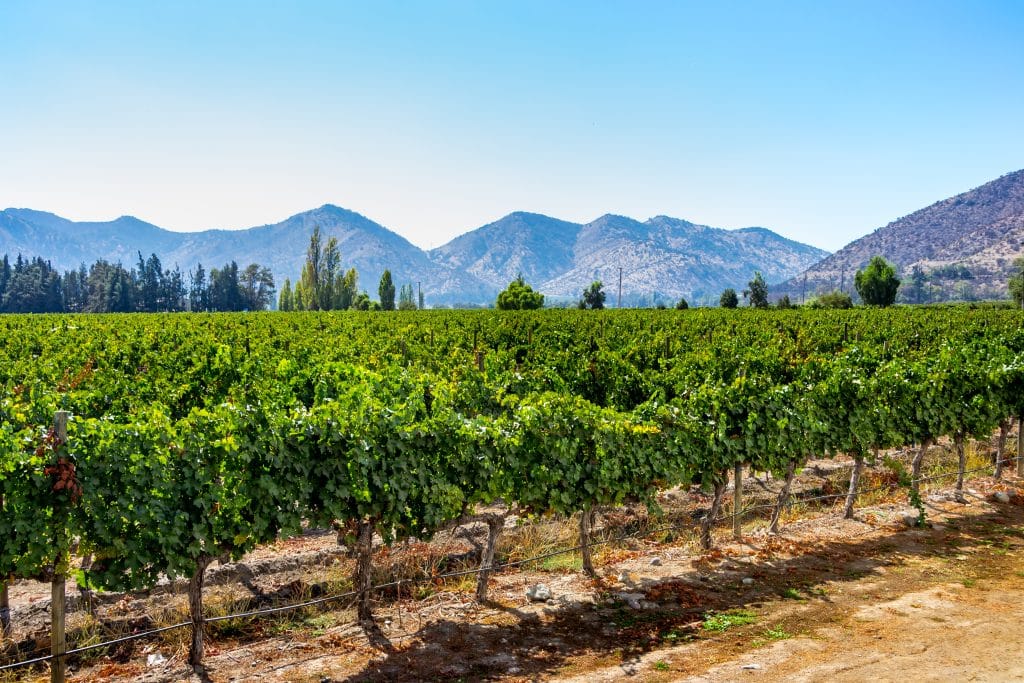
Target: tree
x=346 y=290
x=405 y=299
x=311 y=269
x=519 y=296
x=877 y=283
x=758 y=291
x=257 y=287
x=682 y=305
x=834 y=299
x=784 y=303
x=329 y=276
x=361 y=302
x=284 y=301
x=197 y=293
x=729 y=298
x=593 y=296
x=320 y=273
x=918 y=283
x=225 y=290
x=1016 y=283
x=386 y=291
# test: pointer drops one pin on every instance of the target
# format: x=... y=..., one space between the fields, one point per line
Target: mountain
x=661 y=258
x=963 y=246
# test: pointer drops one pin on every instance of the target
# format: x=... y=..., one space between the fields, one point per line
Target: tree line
x=35 y=286
x=876 y=284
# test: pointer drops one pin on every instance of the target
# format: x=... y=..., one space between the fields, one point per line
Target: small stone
x=155 y=660
x=1002 y=497
x=538 y=593
x=910 y=519
x=552 y=603
x=633 y=600
x=648 y=605
x=747 y=581
x=624 y=577
x=655 y=561
x=938 y=527
x=751 y=667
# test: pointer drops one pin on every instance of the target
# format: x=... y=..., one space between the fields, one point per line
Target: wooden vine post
x=58 y=644
x=851 y=495
x=706 y=538
x=197 y=648
x=364 y=571
x=588 y=560
x=495 y=525
x=1004 y=429
x=783 y=497
x=5 y=603
x=958 y=442
x=1020 y=445
x=737 y=501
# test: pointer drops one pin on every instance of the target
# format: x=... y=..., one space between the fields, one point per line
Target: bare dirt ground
x=828 y=599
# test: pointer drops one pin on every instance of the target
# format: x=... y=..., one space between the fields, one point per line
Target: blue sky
x=821 y=120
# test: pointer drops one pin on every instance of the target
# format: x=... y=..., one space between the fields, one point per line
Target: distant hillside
x=661 y=259
x=964 y=245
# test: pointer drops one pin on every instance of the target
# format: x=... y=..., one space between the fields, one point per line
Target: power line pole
x=620 y=288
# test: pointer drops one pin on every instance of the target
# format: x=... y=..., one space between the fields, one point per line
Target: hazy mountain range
x=963 y=246
x=661 y=259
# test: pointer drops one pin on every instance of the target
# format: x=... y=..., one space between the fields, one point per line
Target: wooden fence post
x=737 y=501
x=58 y=644
x=1020 y=445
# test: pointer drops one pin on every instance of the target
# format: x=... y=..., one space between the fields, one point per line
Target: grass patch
x=320 y=623
x=792 y=594
x=726 y=620
x=777 y=633
x=770 y=635
x=566 y=562
x=662 y=666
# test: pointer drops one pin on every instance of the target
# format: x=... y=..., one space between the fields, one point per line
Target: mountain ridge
x=977 y=233
x=662 y=258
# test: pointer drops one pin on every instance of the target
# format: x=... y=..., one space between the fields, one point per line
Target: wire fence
x=467 y=572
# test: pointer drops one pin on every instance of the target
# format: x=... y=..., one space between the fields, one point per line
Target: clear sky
x=821 y=120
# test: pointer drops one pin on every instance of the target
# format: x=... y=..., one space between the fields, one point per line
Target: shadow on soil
x=535 y=645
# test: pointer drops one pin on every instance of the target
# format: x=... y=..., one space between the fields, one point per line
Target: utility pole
x=620 y=288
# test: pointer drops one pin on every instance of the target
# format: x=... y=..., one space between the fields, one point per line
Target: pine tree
x=758 y=291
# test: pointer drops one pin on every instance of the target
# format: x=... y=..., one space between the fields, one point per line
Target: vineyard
x=152 y=446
